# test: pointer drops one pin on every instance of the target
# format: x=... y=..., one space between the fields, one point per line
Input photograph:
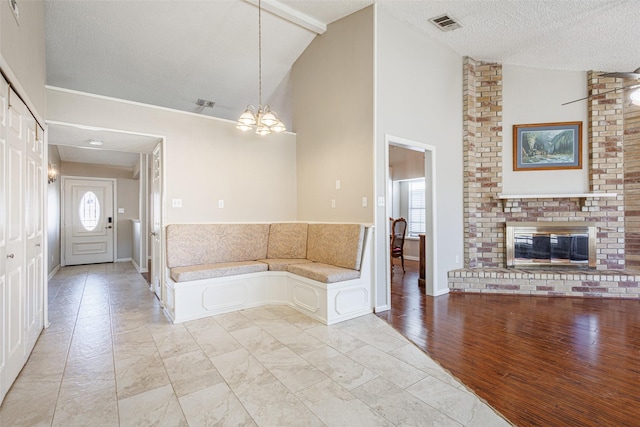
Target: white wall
x=533 y=95
x=419 y=98
x=333 y=115
x=205 y=159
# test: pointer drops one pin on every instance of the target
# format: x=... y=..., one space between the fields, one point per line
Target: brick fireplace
x=614 y=150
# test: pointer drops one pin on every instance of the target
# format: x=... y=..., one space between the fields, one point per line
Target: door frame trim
x=431 y=264
x=63 y=235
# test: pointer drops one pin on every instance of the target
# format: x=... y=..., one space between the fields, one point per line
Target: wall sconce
x=53 y=173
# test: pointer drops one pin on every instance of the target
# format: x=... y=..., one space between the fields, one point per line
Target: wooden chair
x=398 y=232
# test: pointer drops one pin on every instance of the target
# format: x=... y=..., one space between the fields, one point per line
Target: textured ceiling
x=578 y=35
x=170 y=53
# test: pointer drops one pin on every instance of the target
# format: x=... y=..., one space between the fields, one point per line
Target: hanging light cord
x=259 y=54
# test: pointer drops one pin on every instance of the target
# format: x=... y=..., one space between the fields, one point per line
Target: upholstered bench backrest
x=287 y=240
x=193 y=244
x=336 y=244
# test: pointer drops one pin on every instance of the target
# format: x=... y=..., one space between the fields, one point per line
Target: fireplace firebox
x=545 y=244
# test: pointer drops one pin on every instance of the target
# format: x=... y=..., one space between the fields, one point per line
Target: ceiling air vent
x=445 y=23
x=205 y=103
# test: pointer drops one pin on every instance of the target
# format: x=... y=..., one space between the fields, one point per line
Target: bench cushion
x=336 y=244
x=210 y=271
x=287 y=240
x=323 y=272
x=197 y=244
x=281 y=264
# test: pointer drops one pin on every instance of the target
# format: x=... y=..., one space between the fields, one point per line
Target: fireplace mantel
x=582 y=196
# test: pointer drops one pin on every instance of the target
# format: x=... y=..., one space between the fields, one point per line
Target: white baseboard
x=441 y=292
x=381 y=308
x=123 y=260
x=53 y=272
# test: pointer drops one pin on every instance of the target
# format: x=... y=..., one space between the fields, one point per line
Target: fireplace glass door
x=554 y=243
x=568 y=248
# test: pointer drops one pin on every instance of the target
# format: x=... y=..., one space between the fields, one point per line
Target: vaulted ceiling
x=172 y=52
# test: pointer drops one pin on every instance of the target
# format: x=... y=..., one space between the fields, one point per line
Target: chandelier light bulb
x=269 y=119
x=635 y=97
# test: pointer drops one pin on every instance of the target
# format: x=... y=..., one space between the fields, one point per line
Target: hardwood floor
x=539 y=361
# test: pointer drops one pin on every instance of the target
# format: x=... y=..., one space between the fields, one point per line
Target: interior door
x=88 y=220
x=4 y=93
x=34 y=307
x=15 y=237
x=156 y=223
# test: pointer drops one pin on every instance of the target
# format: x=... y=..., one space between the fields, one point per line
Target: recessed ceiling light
x=95 y=142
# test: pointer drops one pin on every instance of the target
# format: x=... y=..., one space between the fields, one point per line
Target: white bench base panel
x=326 y=302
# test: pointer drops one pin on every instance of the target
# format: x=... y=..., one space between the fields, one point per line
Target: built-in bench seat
x=321 y=269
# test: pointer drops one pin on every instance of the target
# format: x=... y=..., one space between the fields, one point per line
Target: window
x=417 y=213
x=89 y=211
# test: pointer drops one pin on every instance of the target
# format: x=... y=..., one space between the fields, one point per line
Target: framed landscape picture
x=547 y=146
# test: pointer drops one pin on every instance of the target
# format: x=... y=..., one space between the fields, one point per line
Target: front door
x=88 y=221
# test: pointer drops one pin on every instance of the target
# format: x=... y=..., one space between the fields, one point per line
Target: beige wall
x=22 y=49
x=129 y=200
x=405 y=164
x=333 y=114
x=53 y=214
x=205 y=159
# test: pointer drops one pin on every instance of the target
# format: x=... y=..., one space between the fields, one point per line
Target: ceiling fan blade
x=622 y=75
x=602 y=93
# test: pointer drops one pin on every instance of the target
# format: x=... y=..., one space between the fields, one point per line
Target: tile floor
x=111 y=358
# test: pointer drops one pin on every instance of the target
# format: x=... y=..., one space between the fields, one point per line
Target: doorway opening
x=95 y=155
x=411 y=195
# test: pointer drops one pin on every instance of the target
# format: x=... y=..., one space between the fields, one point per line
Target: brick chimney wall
x=632 y=184
x=485 y=214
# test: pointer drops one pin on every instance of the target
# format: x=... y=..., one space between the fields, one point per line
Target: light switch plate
x=221 y=204
x=120 y=210
x=176 y=203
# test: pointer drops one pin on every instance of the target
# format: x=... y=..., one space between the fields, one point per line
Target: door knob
x=153 y=233
x=10 y=256
x=109 y=226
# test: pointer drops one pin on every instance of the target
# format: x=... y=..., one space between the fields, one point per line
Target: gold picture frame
x=547 y=146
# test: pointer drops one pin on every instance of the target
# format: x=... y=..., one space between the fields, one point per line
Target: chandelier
x=263 y=118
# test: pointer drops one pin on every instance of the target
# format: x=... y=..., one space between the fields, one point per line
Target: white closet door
x=34 y=304
x=4 y=383
x=15 y=236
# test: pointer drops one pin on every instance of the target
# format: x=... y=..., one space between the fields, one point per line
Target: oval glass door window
x=89 y=211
